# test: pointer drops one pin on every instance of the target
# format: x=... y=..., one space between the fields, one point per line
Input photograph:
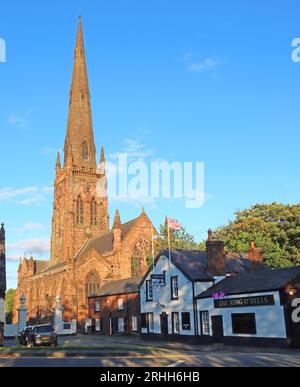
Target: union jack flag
x=173 y=224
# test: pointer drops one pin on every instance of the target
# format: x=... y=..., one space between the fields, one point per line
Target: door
x=217 y=329
x=164 y=325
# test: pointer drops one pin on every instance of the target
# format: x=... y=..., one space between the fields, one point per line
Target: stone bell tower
x=80 y=208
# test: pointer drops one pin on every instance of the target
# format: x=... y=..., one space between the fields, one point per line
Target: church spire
x=80 y=127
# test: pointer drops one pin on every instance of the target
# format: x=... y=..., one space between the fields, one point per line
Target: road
x=213 y=359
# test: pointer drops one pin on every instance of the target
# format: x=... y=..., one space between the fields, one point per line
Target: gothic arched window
x=92 y=286
x=79 y=210
x=139 y=255
x=85 y=151
x=93 y=212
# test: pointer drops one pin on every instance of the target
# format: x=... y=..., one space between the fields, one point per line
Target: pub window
x=93 y=212
x=120 y=304
x=97 y=306
x=174 y=288
x=175 y=323
x=79 y=210
x=134 y=323
x=150 y=322
x=143 y=320
x=243 y=323
x=204 y=321
x=149 y=290
x=186 y=321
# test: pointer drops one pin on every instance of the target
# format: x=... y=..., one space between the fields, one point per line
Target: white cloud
x=25 y=196
x=134 y=150
x=33 y=226
x=21 y=120
x=48 y=151
x=205 y=65
x=31 y=246
x=36 y=199
x=13 y=258
x=10 y=193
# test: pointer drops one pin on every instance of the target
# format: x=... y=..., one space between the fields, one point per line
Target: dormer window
x=85 y=151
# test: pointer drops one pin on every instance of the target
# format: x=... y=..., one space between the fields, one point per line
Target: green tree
x=9 y=304
x=178 y=239
x=274 y=227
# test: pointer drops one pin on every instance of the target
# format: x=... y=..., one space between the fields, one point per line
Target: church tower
x=80 y=209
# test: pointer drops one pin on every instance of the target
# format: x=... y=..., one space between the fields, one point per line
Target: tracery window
x=93 y=212
x=79 y=211
x=92 y=284
x=140 y=253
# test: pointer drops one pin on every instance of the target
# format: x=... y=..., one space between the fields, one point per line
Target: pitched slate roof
x=194 y=263
x=104 y=242
x=40 y=266
x=265 y=280
x=122 y=286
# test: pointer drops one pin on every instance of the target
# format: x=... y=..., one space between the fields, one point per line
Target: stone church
x=85 y=252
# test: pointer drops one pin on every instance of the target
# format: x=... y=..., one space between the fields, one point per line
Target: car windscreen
x=44 y=329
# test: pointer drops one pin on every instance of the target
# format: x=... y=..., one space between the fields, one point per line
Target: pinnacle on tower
x=102 y=162
x=117 y=221
x=58 y=165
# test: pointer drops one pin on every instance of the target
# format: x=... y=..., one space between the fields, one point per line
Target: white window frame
x=120 y=304
x=176 y=323
x=205 y=328
x=174 y=289
x=150 y=318
x=97 y=306
x=134 y=323
x=121 y=324
x=149 y=290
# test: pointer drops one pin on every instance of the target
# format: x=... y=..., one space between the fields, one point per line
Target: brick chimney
x=255 y=254
x=215 y=255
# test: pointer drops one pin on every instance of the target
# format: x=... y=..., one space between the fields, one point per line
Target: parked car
x=38 y=335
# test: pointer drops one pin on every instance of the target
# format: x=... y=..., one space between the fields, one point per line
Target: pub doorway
x=217 y=329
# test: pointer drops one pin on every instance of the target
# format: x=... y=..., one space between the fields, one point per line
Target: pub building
x=115 y=308
x=208 y=297
x=253 y=309
x=169 y=288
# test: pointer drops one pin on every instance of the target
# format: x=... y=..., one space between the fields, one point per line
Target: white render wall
x=162 y=296
x=270 y=321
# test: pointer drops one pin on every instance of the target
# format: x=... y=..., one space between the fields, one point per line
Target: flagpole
x=169 y=243
x=152 y=245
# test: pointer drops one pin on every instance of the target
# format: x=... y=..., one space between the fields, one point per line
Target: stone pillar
x=22 y=313
x=58 y=316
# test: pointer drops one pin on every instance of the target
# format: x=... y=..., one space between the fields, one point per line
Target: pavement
x=123 y=351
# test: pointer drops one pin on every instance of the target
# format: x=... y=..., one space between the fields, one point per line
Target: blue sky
x=191 y=80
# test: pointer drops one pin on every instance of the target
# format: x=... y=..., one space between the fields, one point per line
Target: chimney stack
x=215 y=255
x=255 y=254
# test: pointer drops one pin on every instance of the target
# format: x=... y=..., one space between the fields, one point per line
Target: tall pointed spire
x=80 y=127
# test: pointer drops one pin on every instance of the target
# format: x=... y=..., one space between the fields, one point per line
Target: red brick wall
x=109 y=309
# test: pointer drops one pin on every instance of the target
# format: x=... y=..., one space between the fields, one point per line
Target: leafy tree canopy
x=178 y=239
x=274 y=227
x=9 y=304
